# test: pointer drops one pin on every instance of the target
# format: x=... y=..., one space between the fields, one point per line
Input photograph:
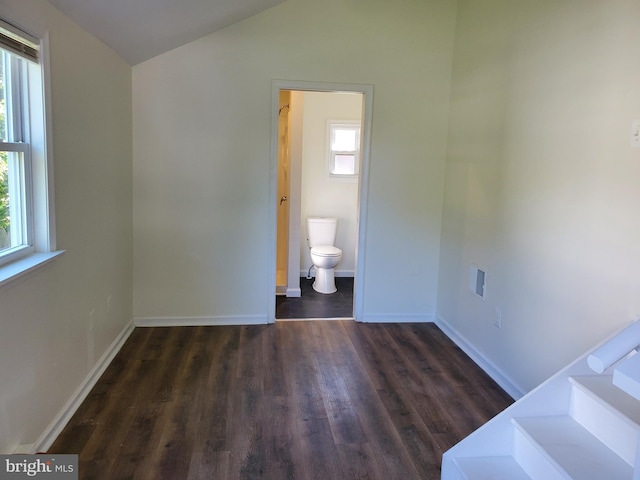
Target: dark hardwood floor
x=311 y=304
x=293 y=400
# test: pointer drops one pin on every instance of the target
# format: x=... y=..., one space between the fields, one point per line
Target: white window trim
x=20 y=269
x=337 y=176
x=44 y=247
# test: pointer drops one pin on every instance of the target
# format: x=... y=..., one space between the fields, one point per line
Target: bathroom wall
x=323 y=196
x=542 y=184
x=202 y=140
x=47 y=347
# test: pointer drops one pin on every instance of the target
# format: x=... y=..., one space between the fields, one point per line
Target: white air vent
x=477 y=281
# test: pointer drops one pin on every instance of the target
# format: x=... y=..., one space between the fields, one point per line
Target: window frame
x=34 y=142
x=332 y=125
x=17 y=142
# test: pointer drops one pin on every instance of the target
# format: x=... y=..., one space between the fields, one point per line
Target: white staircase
x=579 y=424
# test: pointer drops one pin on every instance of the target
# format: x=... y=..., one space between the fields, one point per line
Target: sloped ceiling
x=141 y=29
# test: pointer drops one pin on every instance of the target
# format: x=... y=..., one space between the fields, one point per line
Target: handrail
x=615 y=349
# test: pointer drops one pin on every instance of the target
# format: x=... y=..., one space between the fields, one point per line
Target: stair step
x=491 y=468
x=572 y=448
x=602 y=386
x=533 y=459
x=627 y=376
x=609 y=413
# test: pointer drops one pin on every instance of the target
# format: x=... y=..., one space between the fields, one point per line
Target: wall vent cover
x=477 y=281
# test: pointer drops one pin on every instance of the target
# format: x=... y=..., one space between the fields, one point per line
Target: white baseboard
x=397 y=318
x=313 y=319
x=200 y=321
x=485 y=364
x=62 y=418
x=293 y=292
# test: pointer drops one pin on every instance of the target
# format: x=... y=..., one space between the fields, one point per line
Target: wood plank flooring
x=294 y=400
x=311 y=304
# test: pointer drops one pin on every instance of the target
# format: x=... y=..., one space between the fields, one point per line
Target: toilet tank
x=321 y=230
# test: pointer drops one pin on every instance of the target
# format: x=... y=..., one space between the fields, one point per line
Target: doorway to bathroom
x=306 y=182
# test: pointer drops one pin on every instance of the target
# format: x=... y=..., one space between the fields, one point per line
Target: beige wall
x=202 y=136
x=323 y=196
x=542 y=185
x=46 y=349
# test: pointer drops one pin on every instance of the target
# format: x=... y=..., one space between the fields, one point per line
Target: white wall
x=202 y=137
x=46 y=350
x=323 y=196
x=540 y=190
x=542 y=185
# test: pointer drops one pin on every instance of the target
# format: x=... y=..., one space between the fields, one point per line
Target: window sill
x=15 y=270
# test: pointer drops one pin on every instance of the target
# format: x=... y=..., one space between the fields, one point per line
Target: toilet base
x=325 y=281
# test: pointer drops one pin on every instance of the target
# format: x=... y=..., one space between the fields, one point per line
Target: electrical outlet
x=498 y=322
x=109 y=304
x=635 y=133
x=92 y=320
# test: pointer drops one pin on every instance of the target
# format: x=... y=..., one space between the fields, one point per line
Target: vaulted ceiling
x=141 y=29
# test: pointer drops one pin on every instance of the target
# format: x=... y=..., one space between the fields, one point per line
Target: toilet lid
x=326 y=251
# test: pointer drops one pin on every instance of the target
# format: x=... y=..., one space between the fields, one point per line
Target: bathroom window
x=25 y=195
x=344 y=148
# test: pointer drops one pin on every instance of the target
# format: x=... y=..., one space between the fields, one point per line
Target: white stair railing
x=623 y=346
x=614 y=350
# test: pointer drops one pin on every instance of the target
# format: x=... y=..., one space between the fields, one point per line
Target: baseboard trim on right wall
x=489 y=368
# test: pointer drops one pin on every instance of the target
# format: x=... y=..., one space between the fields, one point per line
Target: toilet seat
x=326 y=251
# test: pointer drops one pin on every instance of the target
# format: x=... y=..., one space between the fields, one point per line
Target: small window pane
x=13 y=220
x=344 y=140
x=3 y=99
x=5 y=240
x=345 y=164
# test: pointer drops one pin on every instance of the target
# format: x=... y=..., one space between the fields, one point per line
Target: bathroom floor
x=317 y=305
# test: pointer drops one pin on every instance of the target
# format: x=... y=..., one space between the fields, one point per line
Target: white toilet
x=321 y=236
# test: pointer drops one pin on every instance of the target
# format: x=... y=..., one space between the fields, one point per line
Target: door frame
x=363 y=182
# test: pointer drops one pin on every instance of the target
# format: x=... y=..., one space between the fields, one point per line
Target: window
x=26 y=196
x=344 y=148
x=15 y=164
